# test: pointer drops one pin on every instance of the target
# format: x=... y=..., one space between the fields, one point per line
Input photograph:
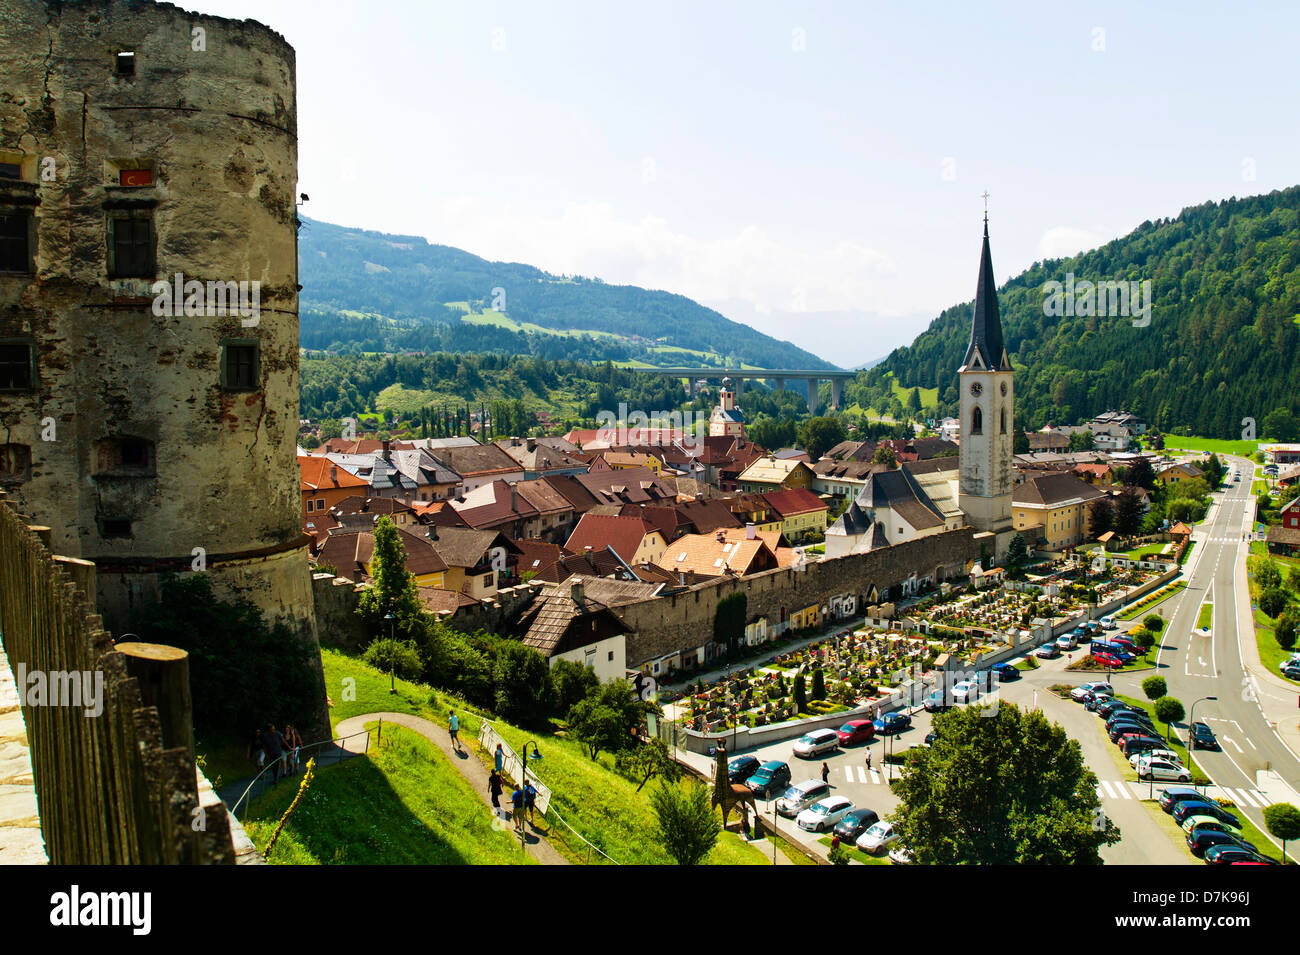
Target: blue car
x=1005 y=671
x=892 y=723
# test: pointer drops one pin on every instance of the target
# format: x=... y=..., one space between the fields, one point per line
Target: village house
x=1284 y=537
x=324 y=484
x=633 y=539
x=771 y=473
x=803 y=514
x=1053 y=509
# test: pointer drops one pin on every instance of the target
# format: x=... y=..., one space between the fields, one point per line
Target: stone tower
x=143 y=148
x=988 y=401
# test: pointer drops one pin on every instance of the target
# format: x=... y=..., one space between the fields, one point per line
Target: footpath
x=470 y=766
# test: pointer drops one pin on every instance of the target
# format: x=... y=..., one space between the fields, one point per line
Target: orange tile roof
x=318 y=474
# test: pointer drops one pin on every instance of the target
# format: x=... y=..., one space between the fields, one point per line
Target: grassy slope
x=405 y=803
x=591 y=797
x=1217 y=445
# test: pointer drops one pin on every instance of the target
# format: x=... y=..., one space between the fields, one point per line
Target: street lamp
x=392 y=664
x=523 y=784
x=1191 y=730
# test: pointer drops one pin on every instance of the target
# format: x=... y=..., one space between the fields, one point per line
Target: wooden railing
x=115 y=783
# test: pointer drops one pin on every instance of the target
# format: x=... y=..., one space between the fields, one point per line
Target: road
x=1196 y=666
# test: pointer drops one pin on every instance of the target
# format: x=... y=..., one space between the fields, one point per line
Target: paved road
x=1196 y=666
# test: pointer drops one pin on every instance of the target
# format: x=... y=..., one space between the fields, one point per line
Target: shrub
x=395 y=657
x=1268 y=576
x=1272 y=601
x=1155 y=687
x=1285 y=632
x=1153 y=622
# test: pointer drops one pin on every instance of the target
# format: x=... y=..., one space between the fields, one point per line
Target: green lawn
x=1206 y=616
x=1144 y=552
x=1270 y=654
x=1241 y=448
x=866 y=858
x=596 y=801
x=403 y=803
x=1260 y=549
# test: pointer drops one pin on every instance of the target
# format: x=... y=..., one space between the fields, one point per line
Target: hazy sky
x=813 y=169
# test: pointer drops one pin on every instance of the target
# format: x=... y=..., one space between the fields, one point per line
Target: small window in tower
x=126 y=63
x=239 y=367
x=125 y=456
x=131 y=247
x=16 y=371
x=977 y=422
x=115 y=527
x=1004 y=420
x=15 y=242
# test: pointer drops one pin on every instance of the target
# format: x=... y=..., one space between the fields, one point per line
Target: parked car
x=1107 y=623
x=1171 y=796
x=1199 y=840
x=815 y=743
x=1291 y=661
x=1066 y=641
x=1168 y=754
x=1112 y=707
x=1079 y=692
x=856 y=731
x=901 y=855
x=1203 y=737
x=1127 y=728
x=855 y=823
x=1209 y=823
x=892 y=723
x=1130 y=716
x=1204 y=808
x=802 y=795
x=877 y=838
x=1127 y=645
x=1094 y=701
x=1108 y=660
x=1163 y=769
x=1048 y=651
x=965 y=692
x=824 y=814
x=930 y=738
x=1229 y=855
x=1005 y=672
x=740 y=768
x=1291 y=671
x=1140 y=744
x=770 y=778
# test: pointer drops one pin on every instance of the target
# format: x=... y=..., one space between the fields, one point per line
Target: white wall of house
x=607 y=657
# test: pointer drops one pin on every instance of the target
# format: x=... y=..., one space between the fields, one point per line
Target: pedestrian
x=826 y=773
x=293 y=742
x=500 y=757
x=273 y=742
x=494 y=787
x=868 y=760
x=453 y=727
x=257 y=750
x=517 y=803
x=835 y=841
x=530 y=798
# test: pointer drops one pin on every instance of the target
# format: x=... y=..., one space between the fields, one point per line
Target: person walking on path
x=273 y=743
x=257 y=750
x=293 y=747
x=530 y=798
x=500 y=758
x=868 y=760
x=826 y=773
x=517 y=802
x=495 y=787
x=453 y=727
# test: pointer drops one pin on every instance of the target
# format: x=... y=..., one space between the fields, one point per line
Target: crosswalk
x=1106 y=788
x=1109 y=789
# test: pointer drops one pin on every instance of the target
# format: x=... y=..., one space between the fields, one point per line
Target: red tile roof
x=794 y=501
x=316 y=474
x=597 y=531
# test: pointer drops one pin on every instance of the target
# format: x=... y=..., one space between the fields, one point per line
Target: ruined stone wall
x=685 y=621
x=218 y=129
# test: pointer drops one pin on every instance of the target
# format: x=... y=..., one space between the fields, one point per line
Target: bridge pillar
x=780 y=384
x=837 y=392
x=812 y=393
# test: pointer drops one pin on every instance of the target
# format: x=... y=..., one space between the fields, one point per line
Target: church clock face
x=976 y=389
x=1004 y=389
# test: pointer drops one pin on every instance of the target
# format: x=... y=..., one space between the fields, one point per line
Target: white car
x=1067 y=641
x=965 y=691
x=1168 y=754
x=878 y=838
x=825 y=814
x=815 y=743
x=1080 y=693
x=1163 y=769
x=800 y=796
x=901 y=855
x=1107 y=623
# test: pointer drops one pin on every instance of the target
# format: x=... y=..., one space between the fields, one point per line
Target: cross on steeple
x=985 y=194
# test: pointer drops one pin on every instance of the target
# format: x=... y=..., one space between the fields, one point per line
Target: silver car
x=802 y=795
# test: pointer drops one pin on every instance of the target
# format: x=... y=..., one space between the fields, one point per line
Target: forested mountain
x=1221 y=344
x=367 y=291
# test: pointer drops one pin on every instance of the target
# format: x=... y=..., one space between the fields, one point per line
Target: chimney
x=387 y=446
x=514 y=441
x=721 y=536
x=514 y=500
x=751 y=532
x=576 y=591
x=531 y=444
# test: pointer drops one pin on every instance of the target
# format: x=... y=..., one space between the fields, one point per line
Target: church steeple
x=986 y=350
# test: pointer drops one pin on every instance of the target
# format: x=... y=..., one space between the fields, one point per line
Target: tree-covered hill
x=1221 y=344
x=367 y=291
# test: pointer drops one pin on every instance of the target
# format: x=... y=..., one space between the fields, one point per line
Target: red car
x=1105 y=659
x=1127 y=644
x=856 y=731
